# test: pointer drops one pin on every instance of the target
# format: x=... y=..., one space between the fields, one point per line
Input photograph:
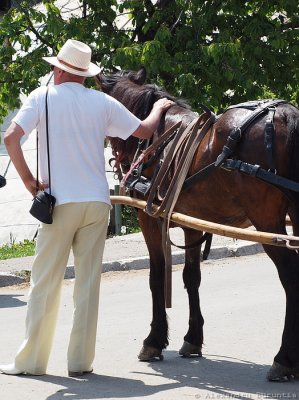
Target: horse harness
x=194 y=133
x=184 y=141
x=231 y=164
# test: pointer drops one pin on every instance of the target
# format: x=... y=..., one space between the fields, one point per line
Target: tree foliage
x=212 y=52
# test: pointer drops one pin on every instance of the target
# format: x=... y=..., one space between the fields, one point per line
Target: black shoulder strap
x=48 y=151
x=257 y=172
x=236 y=133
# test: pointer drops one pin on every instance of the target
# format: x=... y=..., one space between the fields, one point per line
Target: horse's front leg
x=157 y=339
x=192 y=277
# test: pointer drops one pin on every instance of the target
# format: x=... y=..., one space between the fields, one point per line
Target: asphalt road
x=243 y=305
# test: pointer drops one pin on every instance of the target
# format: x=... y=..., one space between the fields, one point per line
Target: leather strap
x=202 y=173
x=198 y=242
x=189 y=139
x=150 y=150
x=257 y=172
x=269 y=138
x=48 y=151
x=236 y=134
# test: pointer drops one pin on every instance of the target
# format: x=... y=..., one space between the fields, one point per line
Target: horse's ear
x=98 y=80
x=140 y=76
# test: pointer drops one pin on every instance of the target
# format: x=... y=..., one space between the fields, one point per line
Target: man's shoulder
x=95 y=92
x=38 y=92
x=98 y=97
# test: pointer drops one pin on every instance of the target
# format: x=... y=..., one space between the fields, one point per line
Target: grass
x=130 y=220
x=27 y=247
x=16 y=250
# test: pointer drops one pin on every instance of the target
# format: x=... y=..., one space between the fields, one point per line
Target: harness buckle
x=236 y=134
x=272 y=170
x=135 y=172
x=292 y=244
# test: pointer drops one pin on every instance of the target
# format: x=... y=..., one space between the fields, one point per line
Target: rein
x=145 y=153
x=187 y=141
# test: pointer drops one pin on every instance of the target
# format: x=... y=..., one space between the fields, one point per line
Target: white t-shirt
x=79 y=119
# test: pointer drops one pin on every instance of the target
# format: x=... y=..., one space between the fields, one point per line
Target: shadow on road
x=221 y=377
x=11 y=300
x=101 y=387
x=225 y=377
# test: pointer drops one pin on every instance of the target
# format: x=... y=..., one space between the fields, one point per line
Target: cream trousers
x=82 y=227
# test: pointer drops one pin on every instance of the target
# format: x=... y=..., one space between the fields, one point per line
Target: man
x=79 y=119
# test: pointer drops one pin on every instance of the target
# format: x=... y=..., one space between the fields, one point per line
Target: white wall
x=16 y=224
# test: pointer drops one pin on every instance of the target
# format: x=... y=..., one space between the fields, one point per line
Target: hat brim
x=93 y=69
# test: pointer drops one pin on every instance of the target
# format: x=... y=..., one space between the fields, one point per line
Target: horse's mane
x=129 y=88
x=139 y=98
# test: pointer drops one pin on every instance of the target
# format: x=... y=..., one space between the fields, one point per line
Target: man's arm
x=148 y=126
x=12 y=140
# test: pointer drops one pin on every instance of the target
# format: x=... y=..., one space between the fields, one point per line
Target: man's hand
x=12 y=140
x=150 y=124
x=31 y=186
x=163 y=104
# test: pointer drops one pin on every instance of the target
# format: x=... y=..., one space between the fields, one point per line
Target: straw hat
x=74 y=57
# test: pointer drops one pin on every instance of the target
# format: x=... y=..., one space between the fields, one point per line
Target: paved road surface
x=243 y=306
x=130 y=252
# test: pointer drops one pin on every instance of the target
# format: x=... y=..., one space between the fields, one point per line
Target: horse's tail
x=292 y=119
x=293 y=143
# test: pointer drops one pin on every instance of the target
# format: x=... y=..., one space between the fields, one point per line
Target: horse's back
x=230 y=197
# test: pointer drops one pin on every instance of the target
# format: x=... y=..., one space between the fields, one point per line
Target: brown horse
x=227 y=197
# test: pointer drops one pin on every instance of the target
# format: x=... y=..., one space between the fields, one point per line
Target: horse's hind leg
x=286 y=362
x=157 y=340
x=192 y=277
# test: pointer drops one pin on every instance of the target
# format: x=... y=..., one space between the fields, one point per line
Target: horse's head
x=126 y=87
x=119 y=85
x=130 y=89
x=109 y=83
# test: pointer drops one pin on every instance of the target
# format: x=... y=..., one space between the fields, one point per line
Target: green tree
x=212 y=52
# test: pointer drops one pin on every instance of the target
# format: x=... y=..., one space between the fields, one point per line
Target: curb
x=22 y=276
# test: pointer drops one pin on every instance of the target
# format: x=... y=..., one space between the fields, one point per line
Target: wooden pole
x=117 y=212
x=267 y=238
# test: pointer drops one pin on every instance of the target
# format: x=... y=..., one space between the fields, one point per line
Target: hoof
x=149 y=353
x=188 y=350
x=280 y=373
